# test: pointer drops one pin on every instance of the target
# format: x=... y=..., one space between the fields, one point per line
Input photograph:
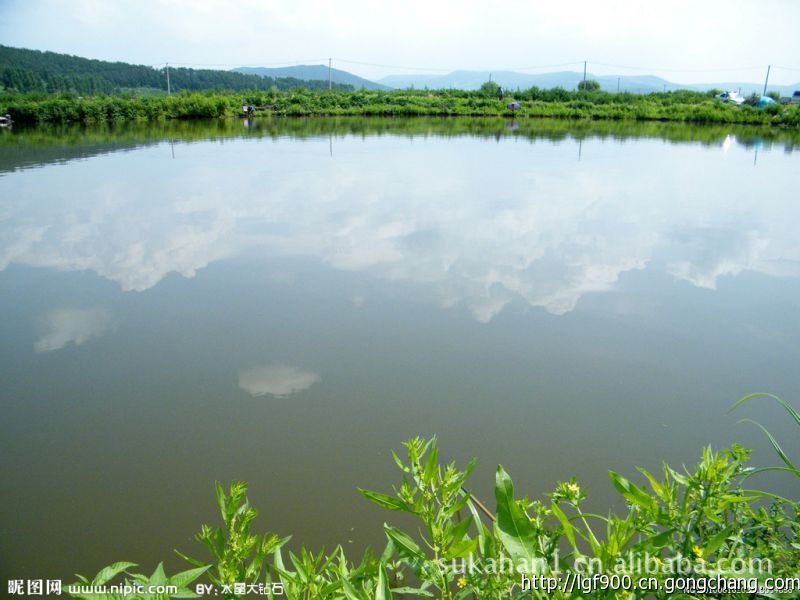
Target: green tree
x=589 y=85
x=490 y=88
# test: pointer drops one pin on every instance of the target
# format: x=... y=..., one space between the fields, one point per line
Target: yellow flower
x=698 y=551
x=573 y=488
x=462 y=583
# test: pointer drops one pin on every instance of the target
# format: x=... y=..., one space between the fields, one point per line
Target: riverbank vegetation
x=679 y=106
x=699 y=524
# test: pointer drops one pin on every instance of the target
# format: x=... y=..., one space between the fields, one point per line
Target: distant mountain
x=640 y=84
x=34 y=71
x=314 y=72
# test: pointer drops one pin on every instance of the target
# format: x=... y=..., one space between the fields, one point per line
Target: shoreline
x=669 y=107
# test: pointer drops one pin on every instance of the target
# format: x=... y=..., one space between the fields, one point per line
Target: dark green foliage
x=26 y=71
x=589 y=85
x=752 y=99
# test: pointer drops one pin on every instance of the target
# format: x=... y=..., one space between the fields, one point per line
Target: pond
x=286 y=301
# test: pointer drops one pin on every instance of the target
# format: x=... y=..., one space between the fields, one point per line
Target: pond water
x=286 y=301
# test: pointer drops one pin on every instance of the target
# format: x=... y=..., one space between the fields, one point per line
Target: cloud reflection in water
x=280 y=381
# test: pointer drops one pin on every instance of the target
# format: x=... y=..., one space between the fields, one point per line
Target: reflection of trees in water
x=35 y=146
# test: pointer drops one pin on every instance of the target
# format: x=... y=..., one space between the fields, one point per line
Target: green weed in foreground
x=700 y=523
x=85 y=588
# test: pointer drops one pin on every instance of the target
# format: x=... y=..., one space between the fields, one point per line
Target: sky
x=683 y=41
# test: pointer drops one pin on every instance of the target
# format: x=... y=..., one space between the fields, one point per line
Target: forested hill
x=34 y=71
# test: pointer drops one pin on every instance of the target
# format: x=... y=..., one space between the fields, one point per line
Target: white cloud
x=63 y=326
x=449 y=34
x=280 y=381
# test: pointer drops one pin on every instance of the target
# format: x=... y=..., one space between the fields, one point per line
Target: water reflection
x=280 y=381
x=465 y=223
x=318 y=278
x=60 y=327
x=34 y=147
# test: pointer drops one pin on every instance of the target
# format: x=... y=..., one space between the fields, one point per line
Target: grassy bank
x=698 y=524
x=681 y=106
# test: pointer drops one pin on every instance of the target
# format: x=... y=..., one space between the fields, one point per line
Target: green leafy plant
x=789 y=465
x=704 y=515
x=238 y=555
x=159 y=579
x=434 y=494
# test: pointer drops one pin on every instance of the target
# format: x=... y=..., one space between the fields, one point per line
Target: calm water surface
x=284 y=304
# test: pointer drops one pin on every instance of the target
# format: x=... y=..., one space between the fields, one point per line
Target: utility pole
x=618 y=85
x=329 y=74
x=766 y=81
x=584 y=74
x=169 y=90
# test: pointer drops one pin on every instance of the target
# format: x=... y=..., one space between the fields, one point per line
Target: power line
x=448 y=70
x=536 y=67
x=602 y=64
x=254 y=65
x=366 y=64
x=440 y=70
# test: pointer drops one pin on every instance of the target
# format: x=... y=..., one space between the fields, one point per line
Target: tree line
x=26 y=71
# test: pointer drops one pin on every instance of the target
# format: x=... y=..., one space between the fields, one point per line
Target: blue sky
x=699 y=41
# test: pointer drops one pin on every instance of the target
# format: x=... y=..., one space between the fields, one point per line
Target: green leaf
x=111 y=571
x=632 y=493
x=386 y=556
x=413 y=592
x=400 y=464
x=221 y=500
x=350 y=592
x=682 y=479
x=514 y=529
x=301 y=571
x=457 y=506
x=431 y=464
x=657 y=541
x=658 y=489
x=382 y=591
x=184 y=578
x=460 y=530
x=794 y=414
x=188 y=559
x=775 y=446
x=158 y=577
x=462 y=549
x=385 y=501
x=404 y=544
x=569 y=529
x=714 y=543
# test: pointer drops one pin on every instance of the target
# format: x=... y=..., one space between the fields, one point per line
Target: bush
x=490 y=88
x=589 y=85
